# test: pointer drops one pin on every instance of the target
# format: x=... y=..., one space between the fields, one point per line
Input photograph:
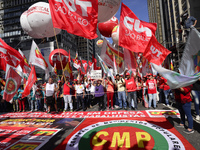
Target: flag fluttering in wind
x=115 y=65
x=107 y=52
x=134 y=34
x=9 y=55
x=130 y=61
x=76 y=62
x=76 y=17
x=174 y=79
x=2 y=81
x=13 y=81
x=106 y=69
x=36 y=58
x=24 y=58
x=55 y=69
x=190 y=62
x=68 y=69
x=31 y=80
x=172 y=66
x=155 y=52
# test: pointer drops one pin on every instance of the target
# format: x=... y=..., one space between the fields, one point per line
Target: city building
x=169 y=16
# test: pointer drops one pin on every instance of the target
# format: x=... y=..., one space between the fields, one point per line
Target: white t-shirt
x=92 y=90
x=50 y=89
x=89 y=87
x=79 y=88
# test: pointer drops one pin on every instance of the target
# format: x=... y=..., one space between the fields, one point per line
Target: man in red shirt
x=152 y=91
x=131 y=90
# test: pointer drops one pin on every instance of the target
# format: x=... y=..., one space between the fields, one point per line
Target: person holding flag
x=131 y=90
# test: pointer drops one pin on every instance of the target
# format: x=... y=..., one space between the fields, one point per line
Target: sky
x=138 y=7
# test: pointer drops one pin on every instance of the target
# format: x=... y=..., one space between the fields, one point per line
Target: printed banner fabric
x=76 y=17
x=133 y=34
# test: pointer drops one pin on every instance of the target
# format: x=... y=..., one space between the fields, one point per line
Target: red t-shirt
x=184 y=97
x=131 y=85
x=161 y=82
x=151 y=86
x=66 y=89
x=165 y=86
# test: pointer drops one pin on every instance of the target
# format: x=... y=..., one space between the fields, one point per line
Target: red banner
x=9 y=55
x=155 y=52
x=13 y=81
x=31 y=80
x=133 y=34
x=76 y=17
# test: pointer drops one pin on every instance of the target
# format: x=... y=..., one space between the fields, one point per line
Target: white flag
x=174 y=79
x=192 y=48
x=37 y=59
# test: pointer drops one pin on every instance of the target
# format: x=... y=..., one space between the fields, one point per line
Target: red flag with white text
x=9 y=55
x=76 y=17
x=155 y=52
x=134 y=34
x=31 y=80
x=13 y=81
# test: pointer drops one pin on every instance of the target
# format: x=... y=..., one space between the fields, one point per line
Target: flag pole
x=118 y=59
x=59 y=52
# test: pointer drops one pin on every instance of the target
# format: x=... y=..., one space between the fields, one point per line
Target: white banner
x=96 y=74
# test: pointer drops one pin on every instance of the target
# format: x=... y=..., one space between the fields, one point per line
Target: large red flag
x=9 y=55
x=76 y=17
x=31 y=80
x=133 y=34
x=155 y=52
x=13 y=81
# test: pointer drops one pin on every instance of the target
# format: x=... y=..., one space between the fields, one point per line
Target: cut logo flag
x=190 y=62
x=155 y=52
x=107 y=52
x=31 y=80
x=13 y=81
x=174 y=79
x=9 y=55
x=37 y=59
x=76 y=17
x=134 y=34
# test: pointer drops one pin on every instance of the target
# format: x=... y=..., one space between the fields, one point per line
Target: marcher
x=50 y=95
x=120 y=83
x=131 y=90
x=110 y=92
x=99 y=94
x=21 y=100
x=67 y=96
x=79 y=95
x=183 y=101
x=152 y=91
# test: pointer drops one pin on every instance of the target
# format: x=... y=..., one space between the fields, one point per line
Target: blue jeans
x=152 y=97
x=80 y=100
x=122 y=97
x=116 y=102
x=185 y=109
x=161 y=95
x=33 y=105
x=196 y=95
x=132 y=95
x=166 y=93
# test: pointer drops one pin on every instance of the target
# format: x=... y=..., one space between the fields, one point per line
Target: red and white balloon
x=107 y=9
x=105 y=28
x=37 y=21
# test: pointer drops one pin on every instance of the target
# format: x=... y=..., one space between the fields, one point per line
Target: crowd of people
x=125 y=92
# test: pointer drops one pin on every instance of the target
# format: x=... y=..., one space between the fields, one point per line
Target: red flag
x=133 y=34
x=2 y=81
x=9 y=55
x=55 y=69
x=94 y=61
x=31 y=80
x=130 y=59
x=76 y=17
x=151 y=25
x=155 y=52
x=13 y=81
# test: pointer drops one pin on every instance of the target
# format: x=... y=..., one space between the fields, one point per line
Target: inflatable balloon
x=99 y=43
x=107 y=9
x=37 y=21
x=115 y=34
x=54 y=58
x=105 y=28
